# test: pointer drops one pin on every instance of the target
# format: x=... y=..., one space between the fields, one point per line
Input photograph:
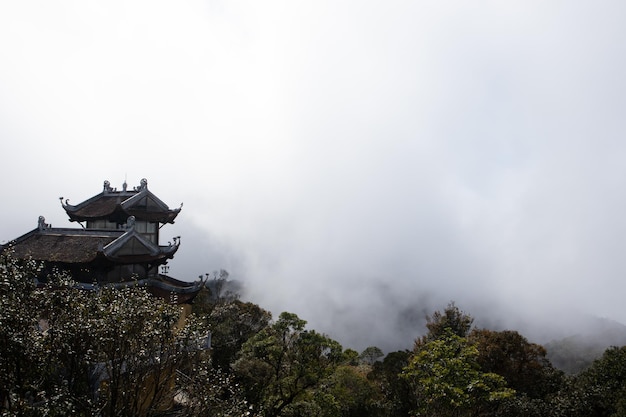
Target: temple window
x=148 y=229
x=102 y=224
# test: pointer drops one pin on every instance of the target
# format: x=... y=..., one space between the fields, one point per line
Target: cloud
x=359 y=164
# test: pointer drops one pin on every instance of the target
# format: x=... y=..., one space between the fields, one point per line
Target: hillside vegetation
x=110 y=352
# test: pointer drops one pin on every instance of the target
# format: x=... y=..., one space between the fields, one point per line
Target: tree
x=218 y=288
x=389 y=375
x=447 y=381
x=370 y=355
x=525 y=368
x=523 y=365
x=282 y=363
x=598 y=391
x=348 y=392
x=43 y=369
x=20 y=350
x=452 y=318
x=350 y=357
x=68 y=351
x=232 y=324
x=138 y=350
x=207 y=391
x=117 y=349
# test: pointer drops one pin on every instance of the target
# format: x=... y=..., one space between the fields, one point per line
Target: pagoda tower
x=117 y=245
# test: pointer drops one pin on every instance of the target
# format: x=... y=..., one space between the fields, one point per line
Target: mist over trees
x=122 y=352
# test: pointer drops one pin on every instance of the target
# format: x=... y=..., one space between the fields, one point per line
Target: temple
x=117 y=245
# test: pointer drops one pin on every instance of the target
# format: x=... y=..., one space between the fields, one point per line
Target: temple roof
x=74 y=246
x=162 y=286
x=62 y=245
x=117 y=206
x=166 y=287
x=92 y=253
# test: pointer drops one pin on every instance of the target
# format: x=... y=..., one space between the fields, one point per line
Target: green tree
x=441 y=323
x=350 y=357
x=598 y=391
x=370 y=355
x=523 y=365
x=232 y=324
x=281 y=364
x=388 y=374
x=447 y=381
x=348 y=392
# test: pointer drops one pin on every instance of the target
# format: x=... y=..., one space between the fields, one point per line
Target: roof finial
x=107 y=187
x=143 y=185
x=41 y=223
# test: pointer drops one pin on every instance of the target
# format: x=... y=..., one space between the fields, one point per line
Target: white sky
x=354 y=162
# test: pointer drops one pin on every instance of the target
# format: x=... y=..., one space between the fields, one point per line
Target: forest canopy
x=122 y=352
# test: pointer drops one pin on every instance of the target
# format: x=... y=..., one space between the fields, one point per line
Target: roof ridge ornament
x=130 y=223
x=143 y=185
x=107 y=187
x=41 y=223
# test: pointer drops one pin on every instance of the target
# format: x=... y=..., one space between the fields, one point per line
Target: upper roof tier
x=117 y=206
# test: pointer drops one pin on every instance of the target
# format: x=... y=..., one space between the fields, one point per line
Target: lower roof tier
x=162 y=286
x=85 y=246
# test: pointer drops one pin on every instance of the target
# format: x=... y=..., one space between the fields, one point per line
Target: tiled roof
x=73 y=246
x=168 y=287
x=63 y=245
x=161 y=286
x=119 y=205
x=101 y=206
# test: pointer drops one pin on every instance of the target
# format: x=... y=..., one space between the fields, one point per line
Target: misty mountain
x=572 y=345
x=575 y=353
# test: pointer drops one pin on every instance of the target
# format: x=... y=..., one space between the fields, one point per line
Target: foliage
x=451 y=320
x=370 y=355
x=348 y=392
x=280 y=364
x=447 y=381
x=522 y=364
x=350 y=357
x=232 y=324
x=388 y=375
x=523 y=406
x=218 y=288
x=20 y=350
x=601 y=389
x=139 y=348
x=121 y=352
x=206 y=391
x=71 y=351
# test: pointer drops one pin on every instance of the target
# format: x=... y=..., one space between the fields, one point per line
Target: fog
x=357 y=163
